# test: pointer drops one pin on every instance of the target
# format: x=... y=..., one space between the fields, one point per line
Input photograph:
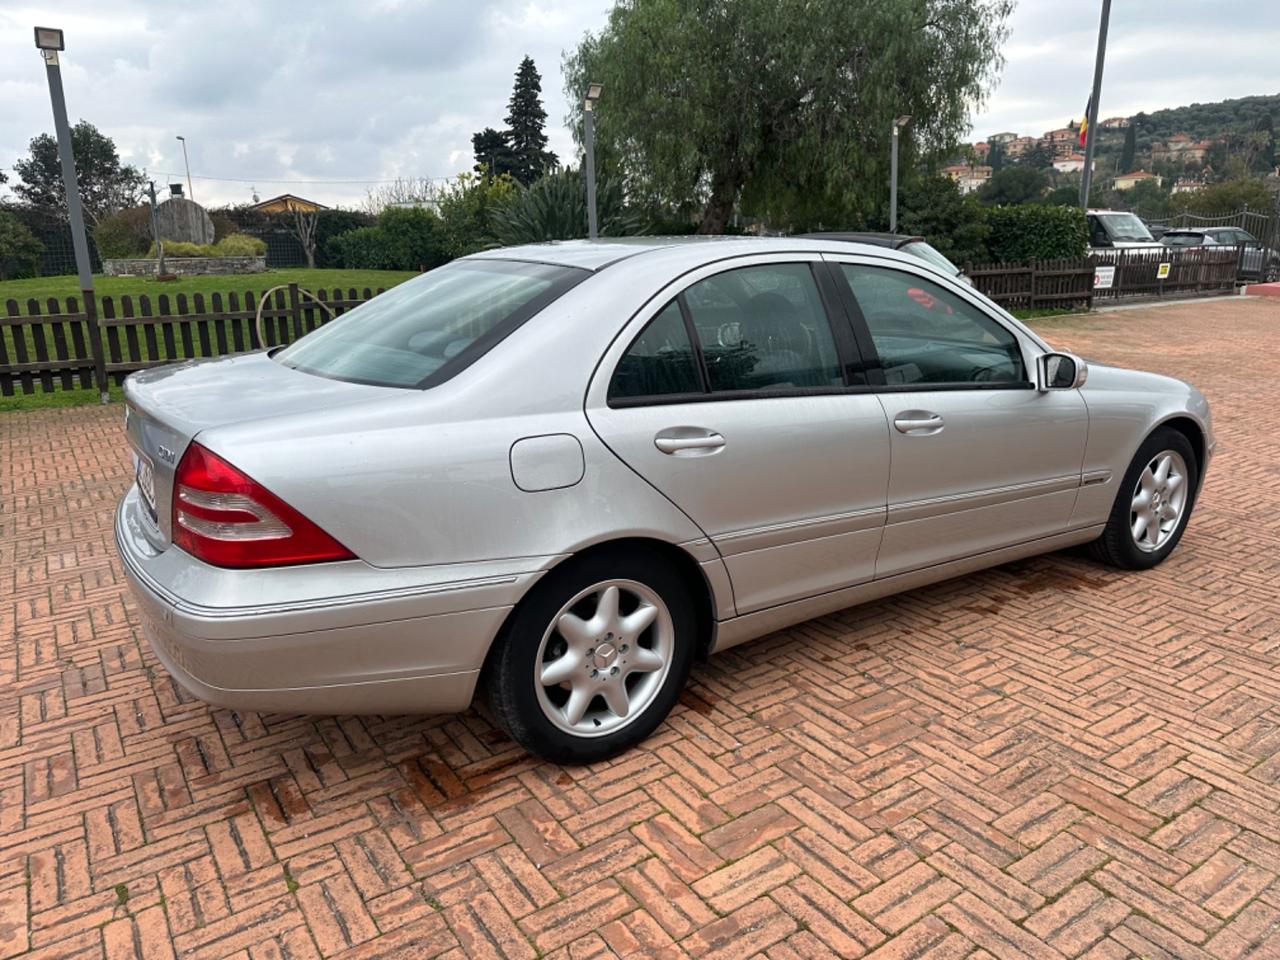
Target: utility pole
x=1091 y=132
x=589 y=145
x=49 y=41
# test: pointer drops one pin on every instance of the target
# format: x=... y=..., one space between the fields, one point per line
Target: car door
x=736 y=396
x=980 y=458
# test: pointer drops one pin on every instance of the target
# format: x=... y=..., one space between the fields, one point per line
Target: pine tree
x=492 y=150
x=1129 y=149
x=526 y=120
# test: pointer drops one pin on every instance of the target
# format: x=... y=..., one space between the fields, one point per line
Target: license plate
x=146 y=478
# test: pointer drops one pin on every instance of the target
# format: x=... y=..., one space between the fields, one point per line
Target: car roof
x=895 y=241
x=598 y=254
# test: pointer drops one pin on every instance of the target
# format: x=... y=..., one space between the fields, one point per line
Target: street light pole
x=49 y=41
x=191 y=193
x=1091 y=131
x=898 y=123
x=589 y=144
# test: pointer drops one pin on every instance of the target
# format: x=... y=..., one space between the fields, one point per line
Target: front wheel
x=594 y=658
x=1153 y=504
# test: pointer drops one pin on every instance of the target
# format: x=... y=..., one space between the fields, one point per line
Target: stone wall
x=185 y=266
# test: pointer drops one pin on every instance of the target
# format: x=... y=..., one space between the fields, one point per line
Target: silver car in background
x=561 y=473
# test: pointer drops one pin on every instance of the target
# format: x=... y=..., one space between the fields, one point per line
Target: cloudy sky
x=323 y=97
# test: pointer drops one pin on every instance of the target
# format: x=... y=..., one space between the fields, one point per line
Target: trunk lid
x=167 y=407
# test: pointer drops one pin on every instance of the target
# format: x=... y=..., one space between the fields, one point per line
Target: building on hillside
x=1180 y=148
x=1114 y=123
x=1018 y=146
x=1063 y=141
x=287 y=203
x=1127 y=181
x=981 y=149
x=969 y=176
x=1005 y=137
x=1071 y=163
x=1187 y=185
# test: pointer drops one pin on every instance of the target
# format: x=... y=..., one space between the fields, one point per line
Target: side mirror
x=1060 y=371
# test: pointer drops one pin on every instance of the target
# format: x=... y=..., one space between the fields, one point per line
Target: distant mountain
x=1206 y=121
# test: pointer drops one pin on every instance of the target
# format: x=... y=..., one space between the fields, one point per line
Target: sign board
x=1162 y=271
x=1104 y=277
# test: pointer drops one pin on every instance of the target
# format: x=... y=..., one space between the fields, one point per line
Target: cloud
x=337 y=90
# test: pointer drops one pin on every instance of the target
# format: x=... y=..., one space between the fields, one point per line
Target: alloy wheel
x=604 y=658
x=1159 y=501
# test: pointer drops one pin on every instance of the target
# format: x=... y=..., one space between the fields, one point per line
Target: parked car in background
x=917 y=247
x=1257 y=262
x=1158 y=230
x=560 y=473
x=1118 y=230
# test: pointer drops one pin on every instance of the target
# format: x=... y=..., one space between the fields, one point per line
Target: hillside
x=1204 y=121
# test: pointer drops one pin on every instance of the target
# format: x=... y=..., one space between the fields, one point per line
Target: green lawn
x=68 y=286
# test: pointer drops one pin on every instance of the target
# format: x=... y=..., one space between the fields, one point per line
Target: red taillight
x=227 y=519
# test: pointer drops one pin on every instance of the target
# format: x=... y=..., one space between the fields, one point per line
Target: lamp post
x=589 y=136
x=50 y=41
x=191 y=193
x=898 y=124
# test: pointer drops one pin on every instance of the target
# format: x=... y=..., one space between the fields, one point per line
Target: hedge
x=1038 y=231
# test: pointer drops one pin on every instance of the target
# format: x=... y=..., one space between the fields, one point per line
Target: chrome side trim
x=757 y=624
x=937 y=506
x=810 y=528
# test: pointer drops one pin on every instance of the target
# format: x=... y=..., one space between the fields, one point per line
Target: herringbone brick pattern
x=1049 y=759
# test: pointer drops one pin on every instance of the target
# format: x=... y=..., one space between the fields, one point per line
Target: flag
x=1084 y=124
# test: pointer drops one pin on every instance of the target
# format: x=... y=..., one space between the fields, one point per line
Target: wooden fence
x=61 y=345
x=1038 y=285
x=1191 y=270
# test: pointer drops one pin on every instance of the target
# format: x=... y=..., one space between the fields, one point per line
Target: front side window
x=929 y=336
x=764 y=328
x=428 y=328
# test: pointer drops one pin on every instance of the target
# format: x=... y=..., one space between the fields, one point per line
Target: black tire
x=1117 y=546
x=508 y=679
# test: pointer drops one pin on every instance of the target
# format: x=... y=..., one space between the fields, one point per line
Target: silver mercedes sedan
x=561 y=473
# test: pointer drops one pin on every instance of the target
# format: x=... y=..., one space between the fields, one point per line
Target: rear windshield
x=918 y=248
x=427 y=329
x=1183 y=239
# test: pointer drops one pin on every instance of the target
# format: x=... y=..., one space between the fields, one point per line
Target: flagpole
x=1091 y=128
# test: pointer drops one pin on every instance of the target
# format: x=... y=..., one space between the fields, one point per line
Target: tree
x=492 y=151
x=995 y=157
x=781 y=108
x=303 y=227
x=934 y=208
x=105 y=185
x=1228 y=197
x=1129 y=149
x=401 y=191
x=1013 y=185
x=1039 y=157
x=19 y=249
x=526 y=120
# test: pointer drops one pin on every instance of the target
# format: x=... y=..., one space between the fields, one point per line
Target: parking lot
x=1048 y=759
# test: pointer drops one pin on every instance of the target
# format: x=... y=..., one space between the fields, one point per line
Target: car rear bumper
x=328 y=638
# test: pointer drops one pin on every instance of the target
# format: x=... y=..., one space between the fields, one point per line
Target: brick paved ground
x=1048 y=759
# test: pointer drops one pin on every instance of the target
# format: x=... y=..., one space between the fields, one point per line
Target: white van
x=1119 y=230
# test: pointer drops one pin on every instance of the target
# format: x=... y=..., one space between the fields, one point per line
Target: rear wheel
x=1153 y=504
x=594 y=658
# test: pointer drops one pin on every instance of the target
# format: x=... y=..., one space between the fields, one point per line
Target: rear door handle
x=688 y=441
x=921 y=423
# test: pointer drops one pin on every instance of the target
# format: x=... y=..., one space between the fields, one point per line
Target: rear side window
x=425 y=330
x=660 y=363
x=752 y=329
x=927 y=335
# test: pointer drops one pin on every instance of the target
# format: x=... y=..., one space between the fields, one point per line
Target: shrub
x=234 y=245
x=555 y=208
x=19 y=248
x=124 y=234
x=359 y=249
x=1036 y=230
x=934 y=208
x=404 y=238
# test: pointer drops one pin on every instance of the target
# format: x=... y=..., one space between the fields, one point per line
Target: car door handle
x=688 y=441
x=921 y=423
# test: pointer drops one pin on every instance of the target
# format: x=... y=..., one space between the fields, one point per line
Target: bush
x=555 y=208
x=19 y=248
x=1036 y=231
x=934 y=208
x=404 y=238
x=124 y=234
x=1020 y=184
x=233 y=245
